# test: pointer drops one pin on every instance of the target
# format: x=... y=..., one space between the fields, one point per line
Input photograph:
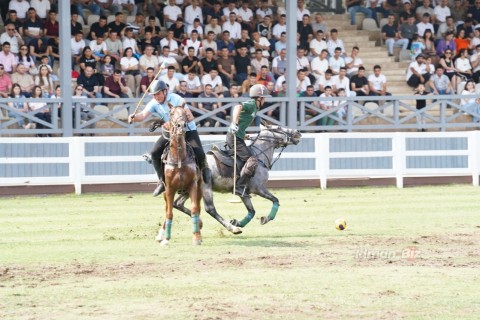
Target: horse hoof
x=164 y=242
x=264 y=220
x=197 y=242
x=235 y=222
x=235 y=230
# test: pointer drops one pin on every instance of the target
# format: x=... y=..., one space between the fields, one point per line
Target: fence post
x=77 y=162
x=399 y=157
x=322 y=148
x=474 y=158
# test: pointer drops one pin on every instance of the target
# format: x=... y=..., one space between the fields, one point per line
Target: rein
x=270 y=162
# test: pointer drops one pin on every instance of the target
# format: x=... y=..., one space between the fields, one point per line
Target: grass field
x=410 y=253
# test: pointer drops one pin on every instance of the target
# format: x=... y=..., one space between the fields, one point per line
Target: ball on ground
x=340 y=224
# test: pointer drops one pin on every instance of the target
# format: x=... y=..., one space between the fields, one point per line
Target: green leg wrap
x=274 y=210
x=195 y=220
x=246 y=220
x=168 y=229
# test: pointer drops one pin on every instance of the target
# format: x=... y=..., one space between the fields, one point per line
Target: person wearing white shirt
x=301 y=11
x=414 y=72
x=194 y=85
x=41 y=6
x=169 y=60
x=196 y=26
x=245 y=15
x=280 y=27
x=212 y=78
x=229 y=9
x=317 y=45
x=233 y=27
x=336 y=62
x=334 y=43
x=424 y=24
x=171 y=80
x=302 y=81
x=319 y=64
x=353 y=62
x=341 y=81
x=171 y=43
x=13 y=37
x=279 y=63
x=441 y=12
x=324 y=81
x=20 y=6
x=171 y=12
x=193 y=12
x=377 y=83
x=194 y=42
x=127 y=5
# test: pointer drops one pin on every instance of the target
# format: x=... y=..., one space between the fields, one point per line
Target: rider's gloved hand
x=233 y=127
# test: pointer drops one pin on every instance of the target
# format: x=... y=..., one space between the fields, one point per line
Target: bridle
x=277 y=143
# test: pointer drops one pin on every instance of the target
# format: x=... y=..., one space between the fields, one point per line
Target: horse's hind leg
x=250 y=214
x=179 y=203
x=207 y=194
x=264 y=193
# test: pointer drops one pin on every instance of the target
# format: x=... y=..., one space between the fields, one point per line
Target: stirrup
x=159 y=190
x=147 y=157
x=241 y=192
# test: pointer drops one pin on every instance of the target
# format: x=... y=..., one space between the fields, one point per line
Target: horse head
x=282 y=136
x=178 y=120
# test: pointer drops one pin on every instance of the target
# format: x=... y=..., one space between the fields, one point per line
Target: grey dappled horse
x=263 y=146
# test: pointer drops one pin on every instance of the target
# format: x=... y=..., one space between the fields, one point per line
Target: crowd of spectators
x=220 y=48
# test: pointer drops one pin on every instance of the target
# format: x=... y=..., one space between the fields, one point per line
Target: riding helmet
x=258 y=90
x=158 y=86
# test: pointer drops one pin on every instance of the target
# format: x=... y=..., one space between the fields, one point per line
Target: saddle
x=166 y=158
x=224 y=160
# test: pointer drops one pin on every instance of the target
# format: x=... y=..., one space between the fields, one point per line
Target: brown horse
x=181 y=174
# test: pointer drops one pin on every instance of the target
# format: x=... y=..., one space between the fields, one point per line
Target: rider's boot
x=241 y=186
x=158 y=165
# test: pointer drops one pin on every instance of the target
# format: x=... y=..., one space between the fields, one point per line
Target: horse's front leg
x=250 y=214
x=207 y=194
x=264 y=193
x=169 y=197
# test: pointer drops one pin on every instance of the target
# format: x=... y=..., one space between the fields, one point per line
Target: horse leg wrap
x=247 y=219
x=274 y=210
x=195 y=223
x=168 y=229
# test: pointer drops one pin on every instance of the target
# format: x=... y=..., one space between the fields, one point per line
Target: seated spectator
x=99 y=28
x=5 y=83
x=215 y=13
x=424 y=8
x=138 y=26
x=226 y=67
x=353 y=62
x=258 y=61
x=229 y=8
x=281 y=44
x=147 y=79
x=24 y=79
x=130 y=69
x=192 y=12
x=125 y=5
x=359 y=83
x=265 y=29
x=169 y=60
x=242 y=65
x=20 y=106
x=304 y=29
x=44 y=80
x=424 y=24
x=7 y=59
x=467 y=26
x=210 y=105
x=148 y=60
x=244 y=41
x=446 y=43
x=302 y=81
x=52 y=29
x=207 y=63
x=183 y=90
x=41 y=108
x=232 y=26
x=106 y=67
x=475 y=40
x=171 y=13
x=406 y=12
x=447 y=26
x=33 y=27
x=178 y=31
x=194 y=42
x=149 y=40
x=12 y=37
x=213 y=79
x=263 y=11
x=152 y=27
x=471 y=104
x=392 y=36
x=171 y=43
x=229 y=44
x=245 y=16
x=439 y=83
x=77 y=45
x=279 y=64
x=336 y=61
x=280 y=28
x=409 y=28
x=114 y=47
x=323 y=82
x=197 y=27
x=265 y=76
x=75 y=26
x=310 y=93
x=326 y=105
x=194 y=86
x=214 y=27
x=190 y=62
x=416 y=47
x=99 y=47
x=260 y=43
x=461 y=41
x=27 y=60
x=116 y=87
x=317 y=45
x=128 y=41
x=248 y=83
x=232 y=92
x=210 y=43
x=117 y=25
x=458 y=11
x=334 y=42
x=88 y=59
x=475 y=62
x=462 y=64
x=170 y=79
x=377 y=82
x=91 y=86
x=82 y=108
x=341 y=81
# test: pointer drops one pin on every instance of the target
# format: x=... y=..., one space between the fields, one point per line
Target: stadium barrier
x=80 y=161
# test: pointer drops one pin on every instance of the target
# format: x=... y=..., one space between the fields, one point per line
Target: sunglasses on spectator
x=10 y=29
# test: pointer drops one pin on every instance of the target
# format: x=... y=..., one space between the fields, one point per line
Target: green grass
x=94 y=257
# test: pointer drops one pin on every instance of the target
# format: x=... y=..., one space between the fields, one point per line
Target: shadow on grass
x=268 y=243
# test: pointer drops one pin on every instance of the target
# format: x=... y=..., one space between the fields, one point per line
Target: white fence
x=110 y=160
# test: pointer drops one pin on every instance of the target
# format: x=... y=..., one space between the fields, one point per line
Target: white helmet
x=258 y=90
